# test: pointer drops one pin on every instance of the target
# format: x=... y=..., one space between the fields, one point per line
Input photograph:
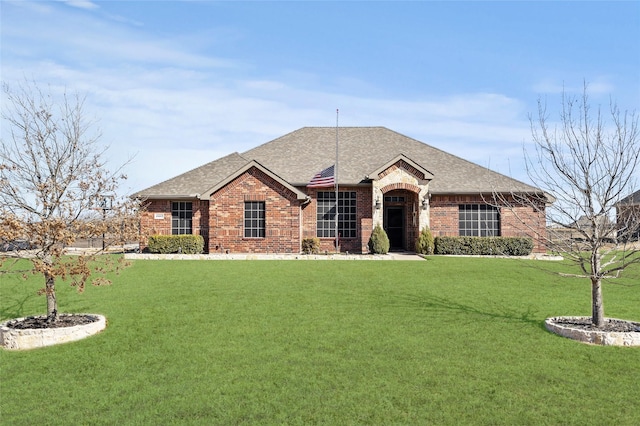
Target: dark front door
x=394 y=226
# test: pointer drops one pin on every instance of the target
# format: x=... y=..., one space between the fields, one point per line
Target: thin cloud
x=92 y=40
x=81 y=4
x=177 y=107
x=597 y=86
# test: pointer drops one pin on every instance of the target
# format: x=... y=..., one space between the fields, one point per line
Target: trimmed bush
x=311 y=245
x=425 y=243
x=186 y=244
x=379 y=242
x=500 y=246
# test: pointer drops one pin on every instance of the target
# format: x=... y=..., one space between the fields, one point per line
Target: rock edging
x=21 y=339
x=559 y=326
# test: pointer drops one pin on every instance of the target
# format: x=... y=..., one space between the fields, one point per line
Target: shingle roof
x=197 y=181
x=296 y=157
x=631 y=199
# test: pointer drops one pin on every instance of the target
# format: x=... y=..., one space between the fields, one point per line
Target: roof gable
x=206 y=194
x=406 y=163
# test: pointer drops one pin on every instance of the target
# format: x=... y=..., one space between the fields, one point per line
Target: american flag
x=324 y=179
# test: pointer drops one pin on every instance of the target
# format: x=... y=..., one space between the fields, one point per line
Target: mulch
x=611 y=325
x=63 y=320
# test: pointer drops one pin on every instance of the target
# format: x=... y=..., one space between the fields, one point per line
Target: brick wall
x=288 y=220
x=282 y=211
x=443 y=209
x=511 y=221
x=156 y=219
x=514 y=221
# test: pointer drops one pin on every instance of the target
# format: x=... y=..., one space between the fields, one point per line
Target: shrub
x=187 y=244
x=425 y=243
x=379 y=242
x=505 y=246
x=311 y=245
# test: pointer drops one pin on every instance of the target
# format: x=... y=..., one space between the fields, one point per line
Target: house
x=583 y=229
x=270 y=198
x=628 y=217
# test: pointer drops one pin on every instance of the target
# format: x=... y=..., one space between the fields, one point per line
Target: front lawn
x=441 y=341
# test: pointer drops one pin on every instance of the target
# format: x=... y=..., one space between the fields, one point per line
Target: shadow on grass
x=14 y=301
x=434 y=303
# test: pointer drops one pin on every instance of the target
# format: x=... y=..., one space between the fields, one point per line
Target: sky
x=176 y=84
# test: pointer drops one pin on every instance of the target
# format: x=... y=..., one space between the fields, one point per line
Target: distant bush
x=311 y=245
x=505 y=246
x=379 y=242
x=425 y=243
x=186 y=244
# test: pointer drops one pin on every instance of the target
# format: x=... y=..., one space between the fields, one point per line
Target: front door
x=394 y=226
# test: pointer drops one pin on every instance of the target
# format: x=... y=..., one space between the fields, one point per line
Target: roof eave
x=177 y=197
x=548 y=197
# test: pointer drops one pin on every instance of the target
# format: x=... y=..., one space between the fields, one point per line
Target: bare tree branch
x=587 y=166
x=52 y=178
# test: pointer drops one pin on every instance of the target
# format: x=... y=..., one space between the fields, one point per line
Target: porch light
x=378 y=205
x=425 y=203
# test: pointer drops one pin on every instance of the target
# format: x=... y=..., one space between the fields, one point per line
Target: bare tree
x=53 y=179
x=586 y=165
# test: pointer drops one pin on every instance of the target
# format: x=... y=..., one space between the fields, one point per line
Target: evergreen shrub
x=379 y=242
x=186 y=244
x=425 y=243
x=500 y=246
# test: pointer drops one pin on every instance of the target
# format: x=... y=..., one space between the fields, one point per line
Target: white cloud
x=177 y=119
x=82 y=4
x=176 y=108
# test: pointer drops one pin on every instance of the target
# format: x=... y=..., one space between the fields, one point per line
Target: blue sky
x=181 y=83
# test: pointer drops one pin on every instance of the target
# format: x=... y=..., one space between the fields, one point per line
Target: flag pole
x=336 y=179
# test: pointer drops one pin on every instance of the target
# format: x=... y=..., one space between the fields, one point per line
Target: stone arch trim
x=400 y=185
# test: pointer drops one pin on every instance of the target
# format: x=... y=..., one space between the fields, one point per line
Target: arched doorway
x=394 y=226
x=400 y=220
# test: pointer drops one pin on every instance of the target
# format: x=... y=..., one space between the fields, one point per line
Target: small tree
x=425 y=243
x=55 y=186
x=586 y=166
x=379 y=242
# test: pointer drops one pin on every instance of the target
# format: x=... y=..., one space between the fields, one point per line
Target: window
x=254 y=219
x=326 y=214
x=181 y=215
x=479 y=220
x=393 y=199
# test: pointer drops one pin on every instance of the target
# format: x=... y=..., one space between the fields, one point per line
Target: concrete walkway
x=342 y=256
x=258 y=256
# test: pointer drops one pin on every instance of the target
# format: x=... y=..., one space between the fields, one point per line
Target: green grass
x=443 y=341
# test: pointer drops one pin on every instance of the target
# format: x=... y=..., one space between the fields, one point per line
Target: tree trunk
x=597 y=306
x=50 y=292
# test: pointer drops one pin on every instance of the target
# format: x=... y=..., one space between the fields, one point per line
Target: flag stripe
x=324 y=179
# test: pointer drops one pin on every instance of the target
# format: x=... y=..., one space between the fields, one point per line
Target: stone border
x=21 y=339
x=262 y=256
x=593 y=337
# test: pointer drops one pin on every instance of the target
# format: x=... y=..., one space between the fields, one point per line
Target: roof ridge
x=296 y=156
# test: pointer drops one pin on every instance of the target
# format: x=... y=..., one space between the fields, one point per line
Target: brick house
x=628 y=217
x=260 y=201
